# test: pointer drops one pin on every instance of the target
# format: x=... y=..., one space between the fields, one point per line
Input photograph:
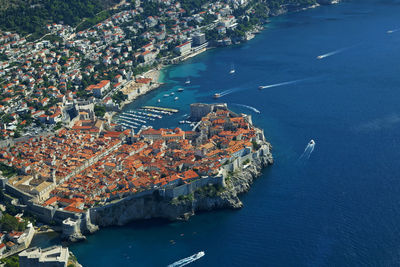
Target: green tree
x=100 y=111
x=9 y=223
x=12 y=261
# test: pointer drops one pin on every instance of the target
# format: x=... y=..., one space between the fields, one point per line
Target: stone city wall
x=186 y=189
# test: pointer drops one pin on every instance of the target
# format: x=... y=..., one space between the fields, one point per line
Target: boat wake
x=393 y=31
x=281 y=84
x=307 y=151
x=227 y=92
x=249 y=107
x=187 y=260
x=334 y=52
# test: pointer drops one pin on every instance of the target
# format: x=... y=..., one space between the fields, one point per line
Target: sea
x=334 y=204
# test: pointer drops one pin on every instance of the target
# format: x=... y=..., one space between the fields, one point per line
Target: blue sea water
x=340 y=207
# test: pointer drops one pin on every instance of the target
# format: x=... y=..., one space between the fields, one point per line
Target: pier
x=161 y=109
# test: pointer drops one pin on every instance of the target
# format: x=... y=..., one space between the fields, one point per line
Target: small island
x=81 y=178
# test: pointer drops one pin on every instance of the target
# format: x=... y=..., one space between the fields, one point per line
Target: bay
x=341 y=206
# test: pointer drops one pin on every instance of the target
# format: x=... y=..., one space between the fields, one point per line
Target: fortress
x=152 y=174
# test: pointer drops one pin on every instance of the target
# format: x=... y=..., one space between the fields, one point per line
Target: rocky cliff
x=207 y=198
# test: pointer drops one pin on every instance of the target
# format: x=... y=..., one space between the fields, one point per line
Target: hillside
x=29 y=16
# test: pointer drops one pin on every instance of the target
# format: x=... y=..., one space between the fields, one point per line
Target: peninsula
x=81 y=178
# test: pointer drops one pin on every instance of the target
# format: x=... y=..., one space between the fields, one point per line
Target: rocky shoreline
x=155 y=207
x=206 y=199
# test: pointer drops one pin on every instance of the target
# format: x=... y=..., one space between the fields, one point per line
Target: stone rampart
x=186 y=189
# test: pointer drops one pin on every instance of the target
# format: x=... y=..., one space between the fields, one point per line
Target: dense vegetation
x=100 y=111
x=9 y=223
x=7 y=171
x=89 y=22
x=119 y=97
x=11 y=261
x=32 y=16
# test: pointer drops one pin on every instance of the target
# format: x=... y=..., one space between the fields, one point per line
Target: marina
x=136 y=119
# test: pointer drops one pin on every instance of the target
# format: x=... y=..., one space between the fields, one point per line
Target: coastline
x=240 y=183
x=155 y=74
x=292 y=202
x=207 y=198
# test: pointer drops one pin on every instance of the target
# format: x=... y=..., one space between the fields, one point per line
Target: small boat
x=172 y=93
x=312 y=142
x=166 y=95
x=176 y=98
x=187 y=81
x=320 y=57
x=187 y=260
x=180 y=90
x=261 y=87
x=232 y=71
x=158 y=100
x=217 y=95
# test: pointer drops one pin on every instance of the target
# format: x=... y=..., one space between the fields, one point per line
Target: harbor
x=136 y=119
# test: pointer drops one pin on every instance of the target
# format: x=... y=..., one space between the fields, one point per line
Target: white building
x=184 y=48
x=55 y=256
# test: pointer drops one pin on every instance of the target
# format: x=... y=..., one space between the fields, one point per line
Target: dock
x=161 y=109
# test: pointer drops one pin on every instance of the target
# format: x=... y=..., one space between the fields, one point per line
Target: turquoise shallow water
x=338 y=208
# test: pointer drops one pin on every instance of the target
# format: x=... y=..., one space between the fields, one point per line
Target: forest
x=30 y=17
